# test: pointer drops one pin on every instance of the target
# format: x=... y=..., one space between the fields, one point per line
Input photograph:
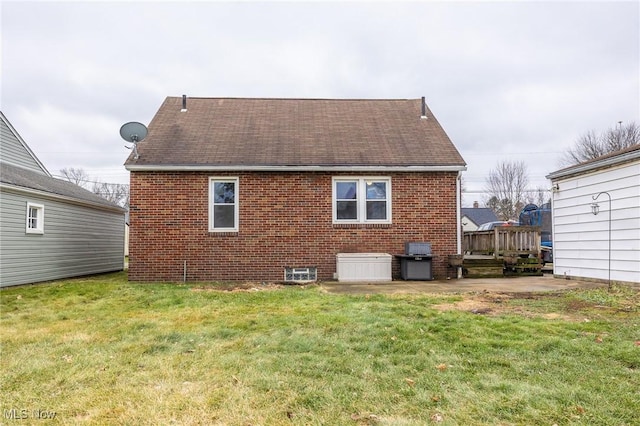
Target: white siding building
x=603 y=246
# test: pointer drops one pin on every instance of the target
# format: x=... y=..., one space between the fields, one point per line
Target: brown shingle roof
x=237 y=132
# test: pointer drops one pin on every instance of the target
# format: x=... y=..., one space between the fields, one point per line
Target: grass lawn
x=101 y=350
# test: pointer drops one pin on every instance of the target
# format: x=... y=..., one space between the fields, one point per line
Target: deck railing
x=503 y=240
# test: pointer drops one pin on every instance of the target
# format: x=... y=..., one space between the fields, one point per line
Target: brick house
x=246 y=189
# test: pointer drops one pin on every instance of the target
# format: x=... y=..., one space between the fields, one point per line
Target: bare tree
x=593 y=145
x=506 y=187
x=539 y=196
x=77 y=176
x=114 y=192
x=503 y=208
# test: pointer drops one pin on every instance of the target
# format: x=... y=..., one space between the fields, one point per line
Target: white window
x=223 y=204
x=35 y=218
x=362 y=200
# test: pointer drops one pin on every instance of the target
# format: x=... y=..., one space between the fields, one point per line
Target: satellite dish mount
x=133 y=132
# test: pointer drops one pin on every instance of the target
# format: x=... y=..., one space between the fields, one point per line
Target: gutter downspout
x=555 y=189
x=458 y=220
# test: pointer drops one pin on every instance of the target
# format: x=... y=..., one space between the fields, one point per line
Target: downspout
x=555 y=189
x=458 y=219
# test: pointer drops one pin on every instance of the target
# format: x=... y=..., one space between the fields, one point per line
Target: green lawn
x=101 y=350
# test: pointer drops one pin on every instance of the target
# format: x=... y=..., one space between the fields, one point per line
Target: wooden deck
x=505 y=250
x=503 y=241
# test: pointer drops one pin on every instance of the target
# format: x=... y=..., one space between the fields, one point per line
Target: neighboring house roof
x=614 y=158
x=21 y=170
x=295 y=134
x=479 y=215
x=15 y=150
x=26 y=180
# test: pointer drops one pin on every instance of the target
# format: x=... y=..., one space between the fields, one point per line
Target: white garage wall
x=581 y=240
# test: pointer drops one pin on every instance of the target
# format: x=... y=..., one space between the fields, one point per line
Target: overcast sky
x=506 y=80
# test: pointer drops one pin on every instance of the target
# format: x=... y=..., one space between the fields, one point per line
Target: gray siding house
x=51 y=228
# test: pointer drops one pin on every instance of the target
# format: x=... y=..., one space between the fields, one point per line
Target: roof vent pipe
x=424 y=109
x=184 y=103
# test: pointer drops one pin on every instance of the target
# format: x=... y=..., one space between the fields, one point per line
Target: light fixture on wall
x=595 y=209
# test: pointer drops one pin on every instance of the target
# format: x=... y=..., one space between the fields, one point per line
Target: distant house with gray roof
x=51 y=228
x=473 y=217
x=269 y=189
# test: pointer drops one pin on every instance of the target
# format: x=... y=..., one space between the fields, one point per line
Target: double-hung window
x=35 y=219
x=361 y=200
x=223 y=204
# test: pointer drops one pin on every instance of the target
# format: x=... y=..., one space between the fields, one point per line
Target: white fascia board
x=266 y=168
x=54 y=196
x=584 y=168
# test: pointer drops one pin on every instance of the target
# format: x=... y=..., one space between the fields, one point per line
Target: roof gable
x=20 y=170
x=16 y=151
x=285 y=133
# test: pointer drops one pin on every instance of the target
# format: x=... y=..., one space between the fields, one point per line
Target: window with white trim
x=35 y=218
x=361 y=200
x=223 y=204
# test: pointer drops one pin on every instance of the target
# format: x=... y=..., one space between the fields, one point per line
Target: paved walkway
x=510 y=284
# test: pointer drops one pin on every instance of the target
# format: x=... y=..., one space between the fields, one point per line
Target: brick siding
x=285 y=220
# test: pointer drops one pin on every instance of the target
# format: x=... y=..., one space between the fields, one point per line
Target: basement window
x=301 y=274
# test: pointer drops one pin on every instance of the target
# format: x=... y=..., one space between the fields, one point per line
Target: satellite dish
x=133 y=132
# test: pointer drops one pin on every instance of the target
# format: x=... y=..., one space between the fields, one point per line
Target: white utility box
x=364 y=266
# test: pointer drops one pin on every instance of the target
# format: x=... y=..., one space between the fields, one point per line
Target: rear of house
x=263 y=189
x=603 y=245
x=50 y=228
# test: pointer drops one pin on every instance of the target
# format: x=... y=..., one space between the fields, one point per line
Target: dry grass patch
x=238 y=287
x=573 y=305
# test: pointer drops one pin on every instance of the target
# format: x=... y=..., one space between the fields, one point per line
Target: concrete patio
x=506 y=285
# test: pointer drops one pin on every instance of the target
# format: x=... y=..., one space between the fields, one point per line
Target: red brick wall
x=285 y=220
